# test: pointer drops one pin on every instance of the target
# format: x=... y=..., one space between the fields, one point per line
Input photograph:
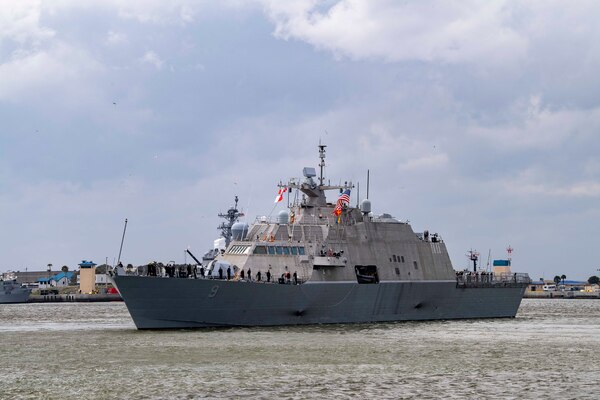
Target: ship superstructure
x=323 y=262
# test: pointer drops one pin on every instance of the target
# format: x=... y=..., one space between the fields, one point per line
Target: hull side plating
x=162 y=303
x=16 y=296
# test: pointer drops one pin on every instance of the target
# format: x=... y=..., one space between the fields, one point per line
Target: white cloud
x=156 y=11
x=115 y=38
x=20 y=21
x=58 y=69
x=540 y=128
x=576 y=190
x=448 y=32
x=494 y=34
x=150 y=57
x=425 y=162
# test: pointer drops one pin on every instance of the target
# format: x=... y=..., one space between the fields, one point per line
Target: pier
x=74 y=298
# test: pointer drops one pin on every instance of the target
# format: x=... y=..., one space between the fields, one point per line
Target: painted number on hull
x=213 y=291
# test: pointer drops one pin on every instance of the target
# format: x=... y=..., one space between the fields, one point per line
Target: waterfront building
x=87 y=277
x=502 y=267
x=101 y=279
x=61 y=279
x=31 y=277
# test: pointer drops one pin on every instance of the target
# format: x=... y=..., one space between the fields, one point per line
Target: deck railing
x=486 y=279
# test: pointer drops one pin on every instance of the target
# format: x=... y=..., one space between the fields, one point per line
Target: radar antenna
x=314 y=193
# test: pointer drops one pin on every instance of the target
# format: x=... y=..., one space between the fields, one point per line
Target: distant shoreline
x=561 y=295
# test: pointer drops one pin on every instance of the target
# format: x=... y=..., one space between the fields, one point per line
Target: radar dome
x=365 y=206
x=283 y=217
x=239 y=230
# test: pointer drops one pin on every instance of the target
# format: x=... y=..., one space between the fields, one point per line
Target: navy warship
x=319 y=262
x=12 y=292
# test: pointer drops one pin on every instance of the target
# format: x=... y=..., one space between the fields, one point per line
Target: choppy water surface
x=68 y=351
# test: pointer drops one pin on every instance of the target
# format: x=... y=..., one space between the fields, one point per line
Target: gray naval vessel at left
x=319 y=262
x=12 y=292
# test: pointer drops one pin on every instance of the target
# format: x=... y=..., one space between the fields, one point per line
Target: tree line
x=592 y=280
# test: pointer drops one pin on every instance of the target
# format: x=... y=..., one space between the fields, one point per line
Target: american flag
x=343 y=200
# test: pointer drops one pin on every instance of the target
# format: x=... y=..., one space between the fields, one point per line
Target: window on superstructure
x=271 y=249
x=415 y=265
x=239 y=249
x=294 y=251
x=394 y=257
x=260 y=250
x=397 y=271
x=286 y=251
x=402 y=258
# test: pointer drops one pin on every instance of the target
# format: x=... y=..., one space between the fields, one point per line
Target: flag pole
x=367 y=184
x=122 y=239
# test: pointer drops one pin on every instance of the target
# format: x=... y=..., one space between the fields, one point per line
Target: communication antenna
x=509 y=250
x=322 y=163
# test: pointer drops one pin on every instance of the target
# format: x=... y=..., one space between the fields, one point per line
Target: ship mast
x=231 y=217
x=315 y=192
x=322 y=163
x=473 y=255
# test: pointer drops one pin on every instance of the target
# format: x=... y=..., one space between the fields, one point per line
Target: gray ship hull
x=163 y=303
x=19 y=295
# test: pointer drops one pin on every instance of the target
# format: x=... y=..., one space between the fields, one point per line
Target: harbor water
x=93 y=351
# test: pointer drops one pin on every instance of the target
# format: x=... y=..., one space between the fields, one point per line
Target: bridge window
x=402 y=258
x=278 y=250
x=300 y=251
x=394 y=257
x=415 y=265
x=271 y=249
x=286 y=251
x=260 y=250
x=239 y=249
x=294 y=251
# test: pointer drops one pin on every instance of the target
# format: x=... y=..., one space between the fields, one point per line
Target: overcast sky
x=478 y=120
